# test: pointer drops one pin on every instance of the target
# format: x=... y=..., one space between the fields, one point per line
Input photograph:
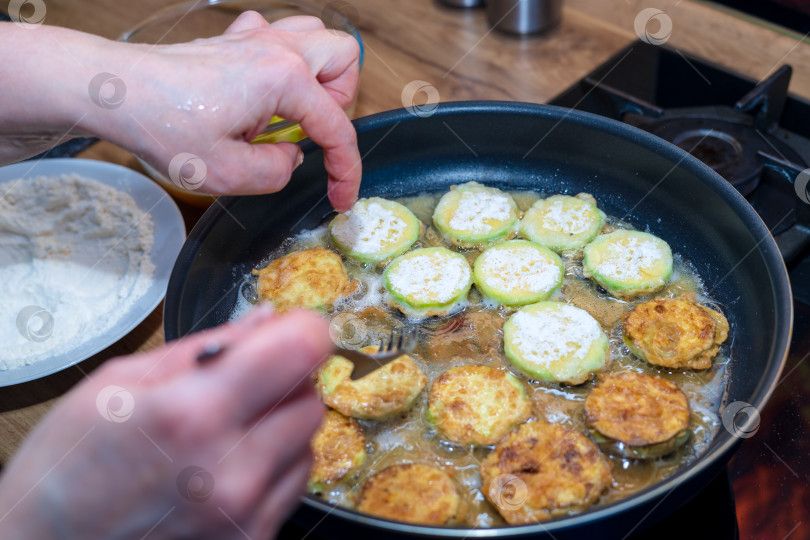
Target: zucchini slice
x=518 y=272
x=555 y=342
x=374 y=230
x=562 y=223
x=474 y=215
x=427 y=282
x=628 y=263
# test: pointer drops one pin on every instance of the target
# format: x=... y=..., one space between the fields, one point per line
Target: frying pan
x=632 y=174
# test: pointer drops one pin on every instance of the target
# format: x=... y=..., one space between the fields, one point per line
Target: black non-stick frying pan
x=632 y=174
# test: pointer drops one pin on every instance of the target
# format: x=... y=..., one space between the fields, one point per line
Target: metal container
x=524 y=16
x=462 y=3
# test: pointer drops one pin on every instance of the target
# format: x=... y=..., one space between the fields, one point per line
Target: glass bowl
x=191 y=20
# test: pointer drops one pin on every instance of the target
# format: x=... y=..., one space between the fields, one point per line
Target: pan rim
x=725 y=444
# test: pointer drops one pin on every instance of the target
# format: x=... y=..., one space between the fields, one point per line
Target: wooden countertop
x=454 y=51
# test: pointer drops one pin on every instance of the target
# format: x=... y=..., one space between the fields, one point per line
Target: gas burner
x=729 y=140
x=742 y=141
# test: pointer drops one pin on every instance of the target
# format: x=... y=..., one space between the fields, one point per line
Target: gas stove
x=757 y=137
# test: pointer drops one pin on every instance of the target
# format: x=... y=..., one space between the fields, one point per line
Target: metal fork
x=397 y=344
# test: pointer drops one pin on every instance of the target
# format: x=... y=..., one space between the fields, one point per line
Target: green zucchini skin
x=474 y=215
x=628 y=263
x=562 y=223
x=375 y=230
x=428 y=282
x=517 y=273
x=555 y=342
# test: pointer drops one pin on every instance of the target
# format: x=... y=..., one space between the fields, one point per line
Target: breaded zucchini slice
x=628 y=263
x=541 y=471
x=474 y=215
x=428 y=281
x=638 y=415
x=555 y=342
x=477 y=404
x=387 y=391
x=374 y=230
x=518 y=272
x=411 y=492
x=339 y=449
x=562 y=223
x=675 y=333
x=309 y=278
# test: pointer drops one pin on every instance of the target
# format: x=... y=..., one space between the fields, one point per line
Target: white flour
x=74 y=256
x=430 y=277
x=369 y=228
x=571 y=220
x=543 y=337
x=519 y=269
x=630 y=258
x=479 y=211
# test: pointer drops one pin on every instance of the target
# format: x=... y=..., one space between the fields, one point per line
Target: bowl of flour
x=86 y=249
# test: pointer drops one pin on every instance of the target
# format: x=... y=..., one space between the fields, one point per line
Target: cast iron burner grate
x=741 y=140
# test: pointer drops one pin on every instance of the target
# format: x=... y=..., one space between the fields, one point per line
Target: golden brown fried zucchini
x=389 y=390
x=477 y=404
x=647 y=414
x=675 y=332
x=540 y=471
x=411 y=492
x=309 y=278
x=339 y=449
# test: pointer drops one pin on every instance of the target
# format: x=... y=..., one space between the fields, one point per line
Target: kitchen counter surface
x=454 y=51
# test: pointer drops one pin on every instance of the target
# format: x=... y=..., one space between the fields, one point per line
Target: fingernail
x=299 y=159
x=211 y=351
x=256 y=316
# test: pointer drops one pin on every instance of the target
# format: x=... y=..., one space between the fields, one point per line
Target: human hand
x=206 y=99
x=161 y=445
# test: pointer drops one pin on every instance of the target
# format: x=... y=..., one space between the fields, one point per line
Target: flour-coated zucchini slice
x=555 y=342
x=374 y=230
x=474 y=215
x=628 y=263
x=518 y=272
x=428 y=281
x=562 y=223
